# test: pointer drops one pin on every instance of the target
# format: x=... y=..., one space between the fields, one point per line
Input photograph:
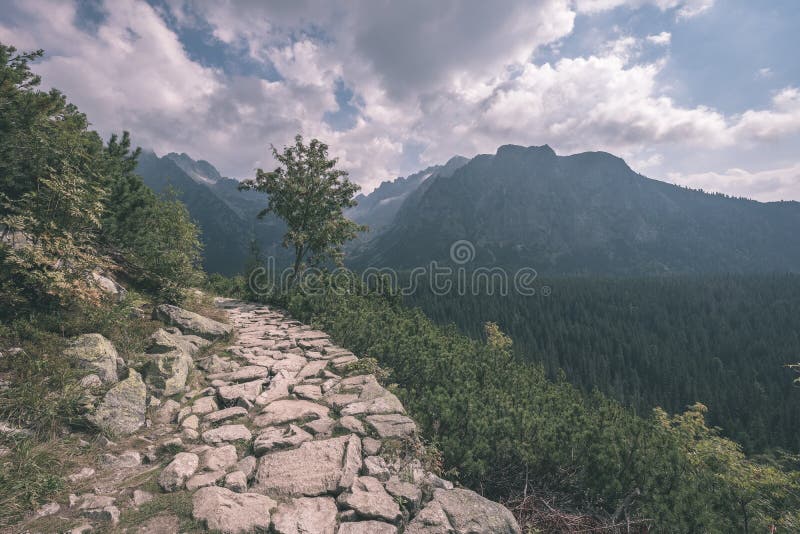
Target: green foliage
x=503 y=425
x=72 y=205
x=669 y=341
x=310 y=194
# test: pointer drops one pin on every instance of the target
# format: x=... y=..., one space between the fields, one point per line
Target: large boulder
x=315 y=468
x=122 y=410
x=96 y=353
x=306 y=515
x=232 y=513
x=109 y=286
x=166 y=374
x=170 y=339
x=462 y=511
x=192 y=323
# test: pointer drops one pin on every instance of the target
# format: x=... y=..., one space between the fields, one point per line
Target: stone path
x=282 y=432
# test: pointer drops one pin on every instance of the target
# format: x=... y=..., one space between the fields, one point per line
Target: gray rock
x=167 y=412
x=375 y=466
x=83 y=474
x=215 y=365
x=204 y=405
x=122 y=410
x=166 y=373
x=108 y=513
x=370 y=500
x=192 y=323
x=308 y=391
x=175 y=475
x=91 y=382
x=236 y=482
x=227 y=433
x=285 y=411
x=392 y=425
x=371 y=446
x=170 y=339
x=305 y=515
x=351 y=424
x=224 y=415
x=367 y=527
x=218 y=458
x=409 y=493
x=243 y=374
x=247 y=465
x=191 y=423
x=201 y=480
x=315 y=468
x=321 y=427
x=109 y=286
x=232 y=513
x=276 y=438
x=48 y=509
x=96 y=353
x=246 y=390
x=463 y=512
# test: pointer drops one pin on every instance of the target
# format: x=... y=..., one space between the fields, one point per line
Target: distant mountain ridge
x=587 y=213
x=225 y=215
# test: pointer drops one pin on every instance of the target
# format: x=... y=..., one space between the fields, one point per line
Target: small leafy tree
x=310 y=194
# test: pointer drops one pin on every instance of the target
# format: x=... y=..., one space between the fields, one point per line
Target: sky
x=703 y=93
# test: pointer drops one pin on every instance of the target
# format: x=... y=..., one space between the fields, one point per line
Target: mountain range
x=587 y=213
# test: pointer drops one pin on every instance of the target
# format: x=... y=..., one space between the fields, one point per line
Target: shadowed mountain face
x=581 y=214
x=225 y=215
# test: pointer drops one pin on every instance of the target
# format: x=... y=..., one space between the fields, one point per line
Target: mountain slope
x=225 y=215
x=580 y=214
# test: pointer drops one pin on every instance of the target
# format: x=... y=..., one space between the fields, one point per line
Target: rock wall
x=281 y=433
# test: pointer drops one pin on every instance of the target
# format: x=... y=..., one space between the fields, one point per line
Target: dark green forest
x=661 y=341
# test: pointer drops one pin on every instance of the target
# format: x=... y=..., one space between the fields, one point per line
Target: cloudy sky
x=704 y=93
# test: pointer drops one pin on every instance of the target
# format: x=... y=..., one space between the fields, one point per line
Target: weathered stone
x=351 y=424
x=91 y=381
x=370 y=500
x=312 y=369
x=371 y=446
x=308 y=391
x=275 y=437
x=321 y=427
x=122 y=410
x=83 y=474
x=375 y=466
x=463 y=511
x=352 y=462
x=278 y=389
x=105 y=283
x=224 y=415
x=201 y=480
x=191 y=423
x=232 y=513
x=243 y=374
x=392 y=425
x=341 y=362
x=246 y=390
x=48 y=509
x=367 y=527
x=127 y=459
x=406 y=491
x=166 y=373
x=236 y=482
x=227 y=433
x=192 y=323
x=204 y=405
x=247 y=465
x=284 y=411
x=170 y=339
x=167 y=412
x=215 y=365
x=218 y=458
x=174 y=476
x=291 y=363
x=96 y=353
x=306 y=515
x=108 y=513
x=315 y=468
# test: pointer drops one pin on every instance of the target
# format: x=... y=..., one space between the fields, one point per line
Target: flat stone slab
x=232 y=513
x=392 y=425
x=277 y=438
x=463 y=512
x=306 y=515
x=225 y=415
x=287 y=410
x=227 y=433
x=368 y=498
x=315 y=468
x=369 y=527
x=245 y=390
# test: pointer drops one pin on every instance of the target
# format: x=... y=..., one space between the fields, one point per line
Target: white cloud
x=764 y=72
x=683 y=8
x=767 y=185
x=661 y=39
x=442 y=78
